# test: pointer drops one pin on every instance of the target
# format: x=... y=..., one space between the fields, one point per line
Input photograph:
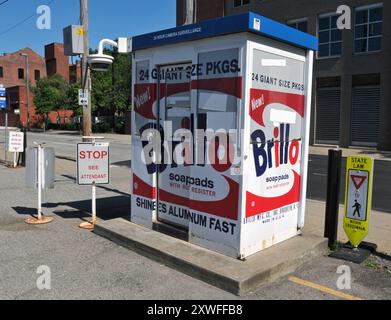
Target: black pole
x=333 y=193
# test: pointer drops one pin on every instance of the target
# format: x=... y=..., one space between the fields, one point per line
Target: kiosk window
x=219 y=89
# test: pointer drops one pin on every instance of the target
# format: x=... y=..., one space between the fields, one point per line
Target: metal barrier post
x=333 y=193
x=40 y=219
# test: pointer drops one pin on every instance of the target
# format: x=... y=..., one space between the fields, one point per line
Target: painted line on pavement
x=319 y=287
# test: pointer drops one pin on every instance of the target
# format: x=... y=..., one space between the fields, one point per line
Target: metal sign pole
x=93 y=196
x=15 y=164
x=90 y=225
x=40 y=219
x=39 y=182
x=93 y=203
x=6 y=136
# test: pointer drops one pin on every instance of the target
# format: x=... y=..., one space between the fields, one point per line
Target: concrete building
x=352 y=72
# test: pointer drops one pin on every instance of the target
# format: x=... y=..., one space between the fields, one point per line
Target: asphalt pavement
x=120 y=155
x=65 y=144
x=85 y=266
x=317 y=182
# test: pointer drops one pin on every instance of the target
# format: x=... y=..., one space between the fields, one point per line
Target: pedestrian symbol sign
x=358 y=197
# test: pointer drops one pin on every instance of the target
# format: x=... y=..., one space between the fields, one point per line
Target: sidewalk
x=379 y=227
x=375 y=154
x=107 y=136
x=321 y=150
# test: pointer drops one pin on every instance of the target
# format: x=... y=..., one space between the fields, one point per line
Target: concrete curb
x=235 y=276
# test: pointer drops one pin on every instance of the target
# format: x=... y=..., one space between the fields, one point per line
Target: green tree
x=54 y=94
x=111 y=90
x=122 y=76
x=49 y=94
x=72 y=99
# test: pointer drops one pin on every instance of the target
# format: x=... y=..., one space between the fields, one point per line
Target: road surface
x=65 y=145
x=317 y=182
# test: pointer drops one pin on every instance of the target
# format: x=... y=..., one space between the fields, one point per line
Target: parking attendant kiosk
x=220 y=131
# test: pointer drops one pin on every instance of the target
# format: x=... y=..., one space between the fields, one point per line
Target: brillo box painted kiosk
x=220 y=131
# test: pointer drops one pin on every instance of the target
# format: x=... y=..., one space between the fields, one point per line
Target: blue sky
x=111 y=19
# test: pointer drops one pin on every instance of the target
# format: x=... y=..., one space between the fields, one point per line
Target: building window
x=239 y=3
x=368 y=28
x=1 y=72
x=37 y=75
x=299 y=24
x=330 y=37
x=20 y=73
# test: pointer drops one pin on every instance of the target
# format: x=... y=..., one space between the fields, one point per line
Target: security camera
x=101 y=61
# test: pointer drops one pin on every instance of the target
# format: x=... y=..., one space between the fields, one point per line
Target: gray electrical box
x=73 y=40
x=48 y=168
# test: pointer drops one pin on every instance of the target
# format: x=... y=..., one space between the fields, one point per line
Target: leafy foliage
x=53 y=94
x=111 y=90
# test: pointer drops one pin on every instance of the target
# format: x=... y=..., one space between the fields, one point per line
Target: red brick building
x=56 y=61
x=204 y=10
x=13 y=76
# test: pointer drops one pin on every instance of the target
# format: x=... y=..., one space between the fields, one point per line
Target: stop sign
x=93 y=163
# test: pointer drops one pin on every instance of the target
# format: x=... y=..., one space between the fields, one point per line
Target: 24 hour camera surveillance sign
x=93 y=161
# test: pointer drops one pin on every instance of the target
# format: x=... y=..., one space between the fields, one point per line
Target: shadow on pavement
x=24 y=211
x=106 y=208
x=127 y=163
x=70 y=133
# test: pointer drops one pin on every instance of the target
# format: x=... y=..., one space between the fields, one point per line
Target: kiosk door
x=176 y=121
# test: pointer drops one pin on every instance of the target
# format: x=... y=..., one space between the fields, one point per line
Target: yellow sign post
x=358 y=198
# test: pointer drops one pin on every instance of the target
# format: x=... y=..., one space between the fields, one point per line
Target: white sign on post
x=16 y=142
x=83 y=97
x=93 y=163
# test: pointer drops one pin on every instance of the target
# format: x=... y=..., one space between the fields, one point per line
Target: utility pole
x=191 y=7
x=26 y=57
x=86 y=75
x=113 y=95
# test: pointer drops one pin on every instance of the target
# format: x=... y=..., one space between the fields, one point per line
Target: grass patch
x=373 y=263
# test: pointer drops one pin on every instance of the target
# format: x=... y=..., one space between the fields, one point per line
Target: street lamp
x=25 y=55
x=102 y=62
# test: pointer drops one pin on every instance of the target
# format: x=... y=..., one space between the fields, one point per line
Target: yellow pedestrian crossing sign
x=358 y=198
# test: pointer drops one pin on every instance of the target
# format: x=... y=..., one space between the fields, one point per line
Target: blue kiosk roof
x=246 y=22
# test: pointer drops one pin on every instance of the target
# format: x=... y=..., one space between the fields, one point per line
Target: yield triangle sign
x=358 y=180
